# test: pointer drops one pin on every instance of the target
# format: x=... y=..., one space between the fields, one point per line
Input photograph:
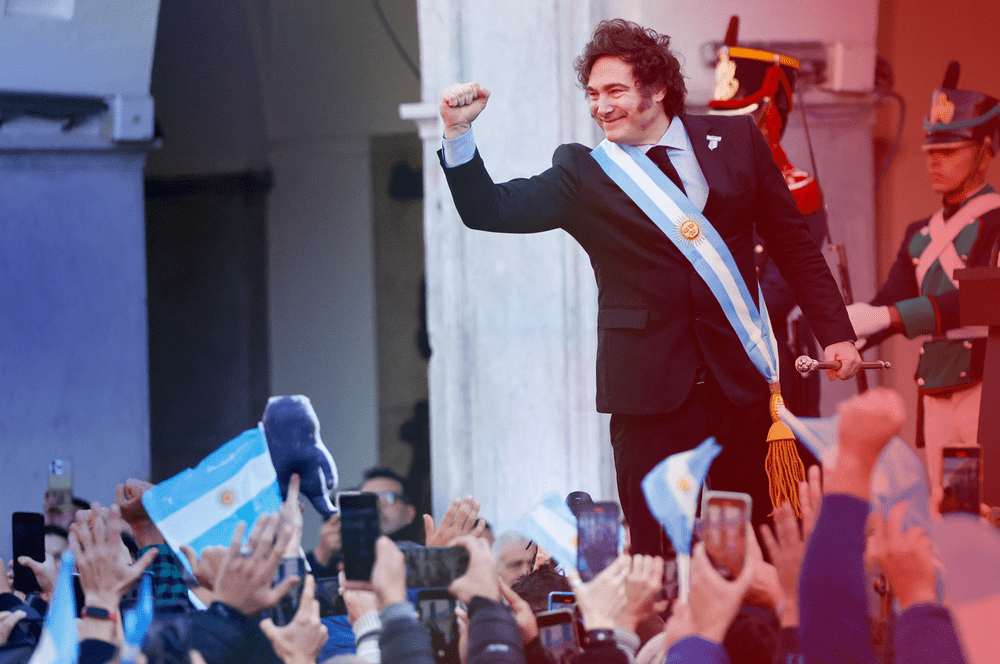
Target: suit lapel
x=712 y=163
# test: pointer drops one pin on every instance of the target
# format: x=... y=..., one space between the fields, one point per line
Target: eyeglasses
x=390 y=497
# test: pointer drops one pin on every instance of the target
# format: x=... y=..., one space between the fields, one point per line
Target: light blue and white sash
x=701 y=244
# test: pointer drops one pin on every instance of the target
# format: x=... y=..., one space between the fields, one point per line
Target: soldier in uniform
x=920 y=296
x=761 y=83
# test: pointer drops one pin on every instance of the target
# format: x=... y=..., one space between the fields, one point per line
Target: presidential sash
x=684 y=224
x=701 y=244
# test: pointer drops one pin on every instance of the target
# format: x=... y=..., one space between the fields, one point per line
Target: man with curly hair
x=678 y=358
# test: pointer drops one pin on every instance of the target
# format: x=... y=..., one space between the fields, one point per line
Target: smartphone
x=28 y=534
x=435 y=566
x=331 y=602
x=561 y=600
x=558 y=635
x=671 y=581
x=725 y=517
x=359 y=528
x=961 y=480
x=597 y=538
x=61 y=484
x=436 y=609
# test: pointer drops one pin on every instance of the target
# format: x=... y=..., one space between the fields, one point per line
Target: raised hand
x=523 y=615
x=244 y=581
x=388 y=574
x=787 y=548
x=8 y=619
x=46 y=573
x=300 y=641
x=291 y=516
x=714 y=601
x=867 y=423
x=330 y=540
x=459 y=520
x=905 y=557
x=642 y=588
x=480 y=579
x=462 y=103
x=601 y=598
x=105 y=566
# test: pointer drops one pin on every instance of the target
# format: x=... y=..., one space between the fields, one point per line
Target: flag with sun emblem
x=553 y=527
x=672 y=489
x=202 y=505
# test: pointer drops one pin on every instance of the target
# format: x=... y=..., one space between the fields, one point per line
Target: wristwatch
x=98 y=613
x=596 y=637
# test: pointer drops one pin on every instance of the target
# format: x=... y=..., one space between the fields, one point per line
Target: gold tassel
x=783 y=465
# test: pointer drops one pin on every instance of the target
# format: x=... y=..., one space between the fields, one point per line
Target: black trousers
x=642 y=441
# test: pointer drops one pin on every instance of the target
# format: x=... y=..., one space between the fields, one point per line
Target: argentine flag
x=553 y=527
x=671 y=491
x=59 y=643
x=898 y=473
x=137 y=621
x=821 y=435
x=201 y=506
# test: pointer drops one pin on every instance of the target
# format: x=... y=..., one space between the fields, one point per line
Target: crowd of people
x=806 y=600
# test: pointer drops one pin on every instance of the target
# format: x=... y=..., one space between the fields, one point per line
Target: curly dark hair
x=648 y=52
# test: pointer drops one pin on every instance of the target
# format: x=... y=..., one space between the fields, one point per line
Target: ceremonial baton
x=804 y=364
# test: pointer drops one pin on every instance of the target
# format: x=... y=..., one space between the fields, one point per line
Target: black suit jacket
x=657 y=317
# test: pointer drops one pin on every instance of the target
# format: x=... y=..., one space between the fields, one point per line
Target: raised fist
x=462 y=103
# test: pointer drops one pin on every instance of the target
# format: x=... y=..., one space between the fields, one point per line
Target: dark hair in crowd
x=534 y=588
x=647 y=51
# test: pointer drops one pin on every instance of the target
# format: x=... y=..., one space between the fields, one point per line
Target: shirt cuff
x=459 y=150
x=370 y=622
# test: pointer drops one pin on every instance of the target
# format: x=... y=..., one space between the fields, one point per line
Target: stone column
x=512 y=319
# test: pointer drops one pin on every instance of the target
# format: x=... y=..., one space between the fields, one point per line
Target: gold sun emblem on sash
x=942 y=110
x=684 y=485
x=690 y=231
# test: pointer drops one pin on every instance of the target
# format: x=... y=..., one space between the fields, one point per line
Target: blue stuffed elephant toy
x=292 y=432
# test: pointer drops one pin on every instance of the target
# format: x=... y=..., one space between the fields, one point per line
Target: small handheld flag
x=59 y=643
x=671 y=490
x=201 y=506
x=553 y=527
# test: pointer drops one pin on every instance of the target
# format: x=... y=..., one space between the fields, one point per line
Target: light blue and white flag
x=899 y=475
x=821 y=435
x=201 y=506
x=671 y=490
x=137 y=621
x=553 y=527
x=59 y=643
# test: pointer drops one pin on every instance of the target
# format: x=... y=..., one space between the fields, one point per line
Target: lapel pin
x=713 y=141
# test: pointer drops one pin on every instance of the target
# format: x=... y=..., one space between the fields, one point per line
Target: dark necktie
x=658 y=155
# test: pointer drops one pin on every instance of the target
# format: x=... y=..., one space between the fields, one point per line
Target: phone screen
x=436 y=566
x=437 y=614
x=557 y=633
x=28 y=534
x=561 y=600
x=960 y=480
x=597 y=538
x=724 y=530
x=359 y=528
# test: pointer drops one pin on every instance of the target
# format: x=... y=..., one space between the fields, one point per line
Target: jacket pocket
x=618 y=317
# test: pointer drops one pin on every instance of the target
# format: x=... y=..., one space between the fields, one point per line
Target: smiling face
x=626 y=113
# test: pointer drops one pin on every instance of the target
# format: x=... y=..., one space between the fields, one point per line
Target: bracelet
x=98 y=613
x=595 y=637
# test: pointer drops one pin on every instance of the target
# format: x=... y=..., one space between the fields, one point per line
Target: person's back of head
x=535 y=587
x=753 y=636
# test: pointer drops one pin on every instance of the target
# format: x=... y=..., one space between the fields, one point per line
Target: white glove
x=868 y=320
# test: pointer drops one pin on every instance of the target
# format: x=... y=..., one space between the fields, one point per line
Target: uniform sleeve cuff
x=919 y=316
